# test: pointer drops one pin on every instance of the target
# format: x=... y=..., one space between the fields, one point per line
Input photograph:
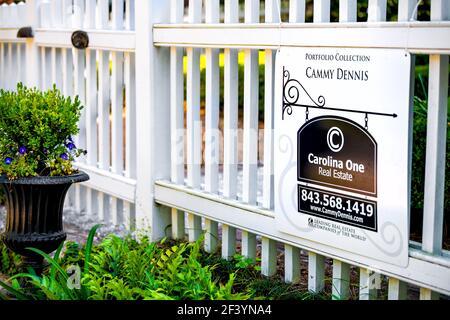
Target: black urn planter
x=34 y=211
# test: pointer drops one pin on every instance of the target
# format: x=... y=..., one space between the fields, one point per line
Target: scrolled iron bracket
x=80 y=39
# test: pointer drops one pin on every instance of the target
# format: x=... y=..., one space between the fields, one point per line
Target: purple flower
x=22 y=150
x=64 y=156
x=8 y=161
x=45 y=151
x=71 y=146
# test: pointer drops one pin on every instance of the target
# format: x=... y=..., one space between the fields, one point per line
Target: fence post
x=32 y=53
x=153 y=121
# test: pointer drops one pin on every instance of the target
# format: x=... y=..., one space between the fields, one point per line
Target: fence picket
x=347 y=10
x=367 y=284
x=376 y=10
x=433 y=208
x=427 y=294
x=248 y=245
x=321 y=11
x=316 y=272
x=212 y=135
x=230 y=108
x=397 y=289
x=228 y=241
x=291 y=264
x=297 y=11
x=211 y=235
x=251 y=96
x=268 y=256
x=341 y=280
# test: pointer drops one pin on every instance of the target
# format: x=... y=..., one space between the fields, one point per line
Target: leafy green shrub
x=36 y=130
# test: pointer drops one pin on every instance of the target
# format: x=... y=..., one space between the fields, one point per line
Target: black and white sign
x=342 y=138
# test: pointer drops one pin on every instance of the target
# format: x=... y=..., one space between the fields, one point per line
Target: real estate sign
x=342 y=141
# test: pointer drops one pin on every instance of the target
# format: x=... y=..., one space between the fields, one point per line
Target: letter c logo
x=335 y=147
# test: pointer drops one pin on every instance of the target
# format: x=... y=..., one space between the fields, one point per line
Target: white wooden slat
x=46 y=74
x=211 y=235
x=116 y=211
x=212 y=135
x=32 y=51
x=117 y=162
x=291 y=264
x=194 y=227
x=316 y=272
x=91 y=107
x=230 y=108
x=67 y=13
x=440 y=10
x=78 y=14
x=347 y=10
x=230 y=123
x=341 y=280
x=2 y=62
x=21 y=12
x=19 y=63
x=376 y=10
x=80 y=90
x=433 y=213
x=117 y=17
x=90 y=13
x=250 y=142
x=129 y=212
x=92 y=203
x=271 y=11
x=427 y=294
x=13 y=16
x=178 y=224
x=271 y=16
x=102 y=14
x=268 y=256
x=268 y=180
x=397 y=290
x=130 y=114
x=251 y=96
x=103 y=109
x=193 y=118
x=193 y=104
x=368 y=284
x=177 y=119
x=129 y=15
x=12 y=76
x=321 y=11
x=103 y=207
x=80 y=199
x=177 y=115
x=296 y=11
x=406 y=9
x=67 y=72
x=56 y=12
x=248 y=245
x=116 y=113
x=56 y=60
x=2 y=15
x=228 y=241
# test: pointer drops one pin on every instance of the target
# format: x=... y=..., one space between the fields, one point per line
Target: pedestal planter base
x=34 y=211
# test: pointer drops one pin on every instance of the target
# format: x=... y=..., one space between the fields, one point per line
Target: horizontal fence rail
x=178 y=147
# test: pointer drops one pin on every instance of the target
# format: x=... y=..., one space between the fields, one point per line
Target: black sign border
x=330 y=185
x=334 y=219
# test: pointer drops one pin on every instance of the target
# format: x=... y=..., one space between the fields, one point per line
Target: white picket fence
x=148 y=164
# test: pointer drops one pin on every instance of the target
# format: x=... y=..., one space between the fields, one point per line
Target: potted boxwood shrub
x=36 y=155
